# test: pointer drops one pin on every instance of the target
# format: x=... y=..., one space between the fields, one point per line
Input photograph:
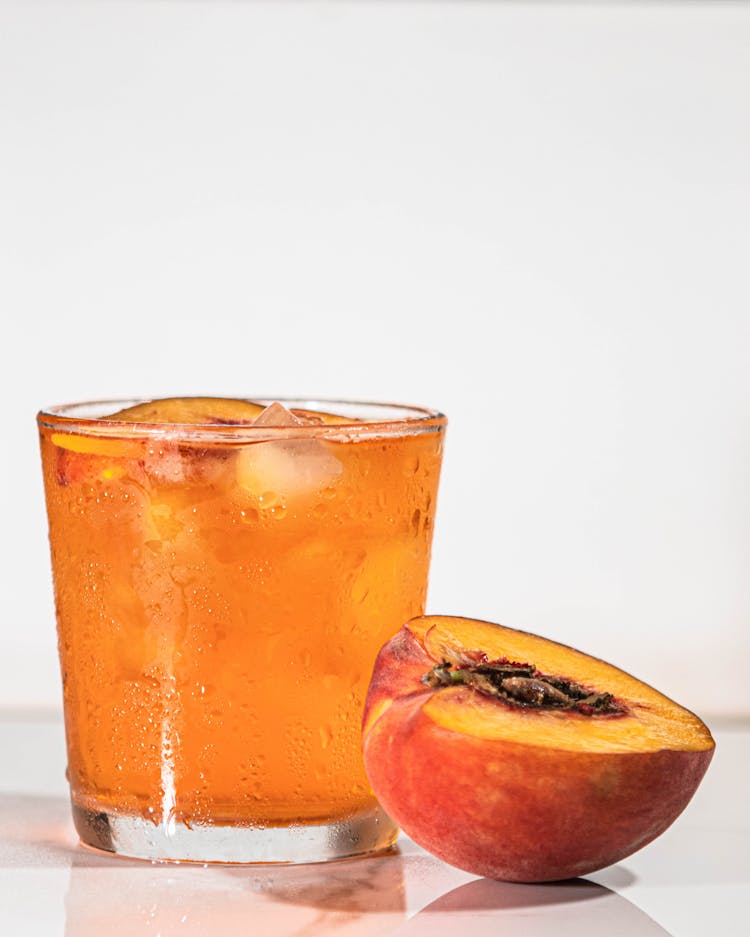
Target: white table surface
x=694 y=880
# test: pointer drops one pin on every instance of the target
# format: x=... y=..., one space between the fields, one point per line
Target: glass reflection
x=359 y=897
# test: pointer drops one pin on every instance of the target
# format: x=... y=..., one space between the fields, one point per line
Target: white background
x=532 y=216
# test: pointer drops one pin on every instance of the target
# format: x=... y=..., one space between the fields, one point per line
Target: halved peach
x=521 y=759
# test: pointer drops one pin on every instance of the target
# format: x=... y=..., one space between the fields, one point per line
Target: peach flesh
x=187 y=410
x=222 y=410
x=523 y=794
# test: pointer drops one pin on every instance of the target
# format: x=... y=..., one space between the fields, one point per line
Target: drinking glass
x=221 y=593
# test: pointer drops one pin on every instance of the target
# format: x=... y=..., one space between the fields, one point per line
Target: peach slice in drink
x=225 y=411
x=90 y=459
x=191 y=410
x=168 y=463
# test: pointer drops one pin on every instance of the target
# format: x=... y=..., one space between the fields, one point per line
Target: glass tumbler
x=221 y=593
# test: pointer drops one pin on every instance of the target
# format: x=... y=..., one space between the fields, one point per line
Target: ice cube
x=274 y=470
x=276 y=414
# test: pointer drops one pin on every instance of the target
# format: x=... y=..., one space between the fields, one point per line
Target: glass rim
x=407 y=420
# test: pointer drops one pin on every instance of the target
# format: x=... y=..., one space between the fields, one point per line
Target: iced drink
x=225 y=572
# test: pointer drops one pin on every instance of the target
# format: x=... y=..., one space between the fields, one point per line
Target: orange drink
x=225 y=572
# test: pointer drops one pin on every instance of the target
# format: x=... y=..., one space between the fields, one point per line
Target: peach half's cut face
x=520 y=759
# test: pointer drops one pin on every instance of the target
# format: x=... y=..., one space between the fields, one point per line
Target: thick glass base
x=128 y=835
